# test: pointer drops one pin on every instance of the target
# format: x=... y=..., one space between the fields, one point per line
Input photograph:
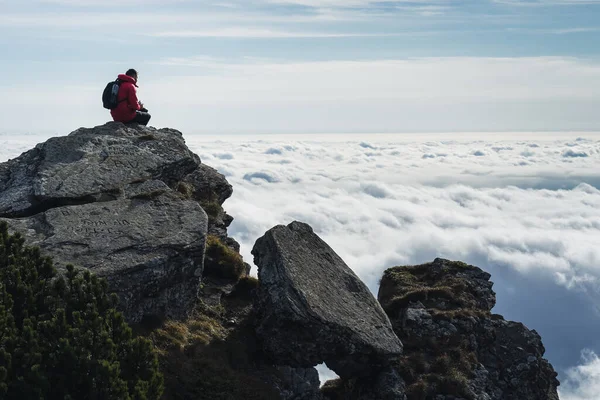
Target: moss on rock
x=221 y=261
x=426 y=303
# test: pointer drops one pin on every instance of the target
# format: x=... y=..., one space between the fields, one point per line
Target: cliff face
x=134 y=205
x=454 y=346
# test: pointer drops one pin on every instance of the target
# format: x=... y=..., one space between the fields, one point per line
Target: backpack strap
x=118 y=82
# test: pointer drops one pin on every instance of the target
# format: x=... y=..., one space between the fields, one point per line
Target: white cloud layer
x=582 y=382
x=532 y=206
x=547 y=2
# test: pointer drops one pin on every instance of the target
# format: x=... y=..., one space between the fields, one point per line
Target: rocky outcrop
x=110 y=199
x=207 y=185
x=454 y=347
x=91 y=165
x=312 y=308
x=308 y=307
x=210 y=189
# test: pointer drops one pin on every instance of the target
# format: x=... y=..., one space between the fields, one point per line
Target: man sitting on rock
x=129 y=109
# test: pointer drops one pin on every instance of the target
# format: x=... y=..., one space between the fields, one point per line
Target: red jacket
x=128 y=101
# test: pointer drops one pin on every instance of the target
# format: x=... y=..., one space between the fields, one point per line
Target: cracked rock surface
x=106 y=199
x=312 y=308
x=455 y=348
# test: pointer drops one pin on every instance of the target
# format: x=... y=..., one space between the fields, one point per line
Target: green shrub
x=222 y=262
x=418 y=390
x=456 y=383
x=442 y=364
x=147 y=137
x=246 y=287
x=204 y=360
x=212 y=209
x=198 y=329
x=185 y=189
x=61 y=337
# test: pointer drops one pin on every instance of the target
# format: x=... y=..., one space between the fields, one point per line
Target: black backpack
x=109 y=96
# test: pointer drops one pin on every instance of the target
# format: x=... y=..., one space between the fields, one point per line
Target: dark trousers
x=141 y=117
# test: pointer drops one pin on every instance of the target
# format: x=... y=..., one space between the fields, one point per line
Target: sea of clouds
x=524 y=207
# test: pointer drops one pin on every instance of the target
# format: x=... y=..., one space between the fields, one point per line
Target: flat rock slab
x=104 y=199
x=150 y=250
x=91 y=165
x=312 y=308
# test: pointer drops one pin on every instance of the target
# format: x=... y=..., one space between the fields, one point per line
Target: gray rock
x=387 y=385
x=513 y=357
x=104 y=199
x=442 y=309
x=211 y=189
x=475 y=291
x=312 y=308
x=149 y=250
x=299 y=383
x=384 y=385
x=209 y=185
x=91 y=165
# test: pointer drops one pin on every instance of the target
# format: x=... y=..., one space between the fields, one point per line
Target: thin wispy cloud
x=412 y=94
x=547 y=2
x=415 y=79
x=557 y=31
x=271 y=19
x=104 y=3
x=254 y=33
x=357 y=3
x=575 y=30
x=151 y=20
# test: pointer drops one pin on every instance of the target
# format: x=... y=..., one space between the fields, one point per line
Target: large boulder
x=91 y=165
x=149 y=249
x=312 y=308
x=108 y=199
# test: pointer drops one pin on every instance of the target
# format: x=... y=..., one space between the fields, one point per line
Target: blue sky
x=306 y=65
